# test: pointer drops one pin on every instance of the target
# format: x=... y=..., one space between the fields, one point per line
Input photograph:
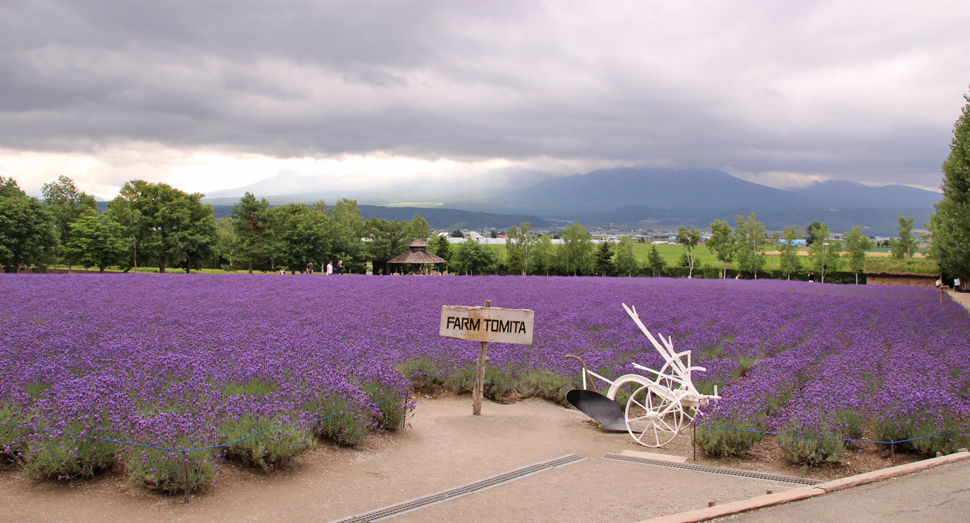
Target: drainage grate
x=714 y=470
x=464 y=490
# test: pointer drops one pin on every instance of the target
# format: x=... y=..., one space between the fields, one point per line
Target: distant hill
x=644 y=198
x=451 y=218
x=656 y=198
x=681 y=190
x=852 y=195
x=437 y=218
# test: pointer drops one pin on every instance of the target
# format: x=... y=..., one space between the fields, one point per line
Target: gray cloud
x=822 y=88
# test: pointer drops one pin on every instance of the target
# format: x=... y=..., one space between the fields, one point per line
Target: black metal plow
x=607 y=412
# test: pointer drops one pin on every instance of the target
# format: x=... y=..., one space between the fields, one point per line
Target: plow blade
x=607 y=412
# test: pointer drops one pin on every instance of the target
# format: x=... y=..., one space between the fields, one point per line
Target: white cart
x=664 y=402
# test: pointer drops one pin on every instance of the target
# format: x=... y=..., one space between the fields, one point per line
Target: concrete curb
x=891 y=472
x=779 y=498
x=734 y=507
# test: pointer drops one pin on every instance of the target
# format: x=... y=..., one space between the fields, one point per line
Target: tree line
x=154 y=224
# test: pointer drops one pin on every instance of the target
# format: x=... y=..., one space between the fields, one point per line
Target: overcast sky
x=211 y=95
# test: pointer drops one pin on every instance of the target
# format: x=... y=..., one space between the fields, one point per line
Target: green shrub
x=12 y=440
x=918 y=427
x=850 y=424
x=272 y=448
x=809 y=451
x=726 y=442
x=340 y=424
x=166 y=471
x=389 y=409
x=57 y=456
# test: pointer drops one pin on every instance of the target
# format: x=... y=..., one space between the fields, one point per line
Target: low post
x=480 y=364
x=186 y=462
x=693 y=439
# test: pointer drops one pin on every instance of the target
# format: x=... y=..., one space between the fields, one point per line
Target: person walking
x=309 y=268
x=340 y=267
x=329 y=267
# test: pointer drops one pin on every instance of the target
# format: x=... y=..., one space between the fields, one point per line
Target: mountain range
x=646 y=198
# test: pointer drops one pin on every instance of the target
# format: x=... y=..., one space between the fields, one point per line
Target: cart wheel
x=653 y=419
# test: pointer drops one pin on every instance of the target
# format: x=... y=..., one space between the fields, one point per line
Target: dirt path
x=444 y=447
x=963 y=298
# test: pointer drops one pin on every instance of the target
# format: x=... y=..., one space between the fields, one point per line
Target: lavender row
x=188 y=361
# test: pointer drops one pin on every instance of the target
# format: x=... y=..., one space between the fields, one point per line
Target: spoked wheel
x=653 y=419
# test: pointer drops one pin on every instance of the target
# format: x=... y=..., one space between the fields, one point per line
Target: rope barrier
x=808 y=436
x=166 y=449
x=223 y=445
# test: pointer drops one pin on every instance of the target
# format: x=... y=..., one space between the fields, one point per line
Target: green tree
x=27 y=234
x=518 y=244
x=195 y=240
x=722 y=243
x=810 y=238
x=166 y=225
x=543 y=255
x=348 y=234
x=441 y=247
x=856 y=245
x=124 y=210
x=253 y=226
x=752 y=236
x=96 y=241
x=418 y=229
x=575 y=253
x=789 y=260
x=949 y=224
x=387 y=240
x=625 y=260
x=457 y=234
x=473 y=258
x=66 y=203
x=604 y=259
x=689 y=239
x=655 y=261
x=905 y=244
x=514 y=263
x=304 y=236
x=227 y=241
x=826 y=254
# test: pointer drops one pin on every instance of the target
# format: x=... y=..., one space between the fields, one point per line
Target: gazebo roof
x=417 y=253
x=417 y=257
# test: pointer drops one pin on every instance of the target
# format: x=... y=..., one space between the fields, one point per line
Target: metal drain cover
x=714 y=470
x=464 y=490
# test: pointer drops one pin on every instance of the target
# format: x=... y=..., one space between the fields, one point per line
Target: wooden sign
x=487 y=324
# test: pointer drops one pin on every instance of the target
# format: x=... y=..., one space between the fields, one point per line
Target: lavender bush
x=192 y=361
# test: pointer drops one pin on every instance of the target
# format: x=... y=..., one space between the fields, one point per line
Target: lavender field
x=195 y=361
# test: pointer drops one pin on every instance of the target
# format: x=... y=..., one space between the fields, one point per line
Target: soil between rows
x=443 y=447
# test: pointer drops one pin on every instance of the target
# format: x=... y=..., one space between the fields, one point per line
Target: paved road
x=938 y=494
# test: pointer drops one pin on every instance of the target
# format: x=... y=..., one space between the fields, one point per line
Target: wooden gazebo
x=417 y=255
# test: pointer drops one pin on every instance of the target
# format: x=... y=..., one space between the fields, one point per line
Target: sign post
x=485 y=324
x=480 y=362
